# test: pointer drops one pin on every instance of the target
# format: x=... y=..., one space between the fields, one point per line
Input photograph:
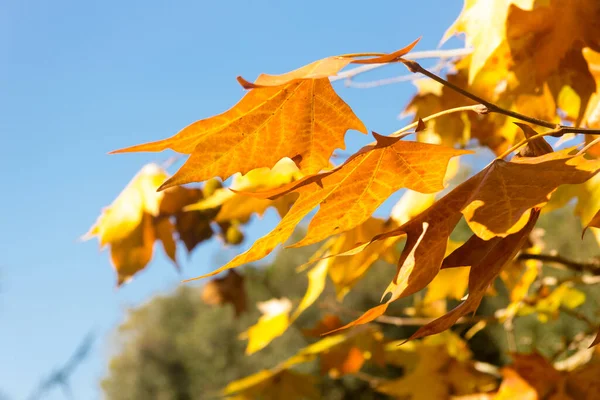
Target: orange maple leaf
x=352 y=192
x=487 y=202
x=296 y=115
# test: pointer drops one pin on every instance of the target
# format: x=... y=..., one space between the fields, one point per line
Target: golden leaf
x=124 y=215
x=235 y=206
x=304 y=120
x=272 y=324
x=132 y=253
x=346 y=271
x=352 y=192
x=228 y=289
x=296 y=115
x=513 y=387
x=486 y=259
x=323 y=68
x=426 y=382
x=272 y=385
x=483 y=22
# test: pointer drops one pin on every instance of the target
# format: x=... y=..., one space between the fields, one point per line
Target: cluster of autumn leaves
x=438 y=367
x=277 y=143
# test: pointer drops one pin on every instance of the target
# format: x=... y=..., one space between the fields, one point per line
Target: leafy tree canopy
x=533 y=74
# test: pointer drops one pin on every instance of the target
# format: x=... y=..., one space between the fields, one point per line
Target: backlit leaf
x=304 y=120
x=352 y=192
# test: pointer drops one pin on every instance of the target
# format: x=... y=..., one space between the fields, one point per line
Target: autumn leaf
x=548 y=307
x=539 y=45
x=352 y=192
x=272 y=324
x=228 y=289
x=132 y=253
x=328 y=323
x=349 y=356
x=514 y=387
x=486 y=259
x=323 y=68
x=296 y=115
x=304 y=120
x=483 y=22
x=316 y=283
x=596 y=340
x=537 y=372
x=346 y=272
x=124 y=215
x=588 y=198
x=129 y=227
x=448 y=284
x=165 y=231
x=272 y=385
x=479 y=201
x=595 y=221
x=234 y=206
x=426 y=382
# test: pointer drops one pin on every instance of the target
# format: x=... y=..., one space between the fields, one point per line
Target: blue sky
x=81 y=78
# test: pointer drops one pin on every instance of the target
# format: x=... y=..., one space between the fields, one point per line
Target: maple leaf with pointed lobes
x=296 y=115
x=130 y=225
x=352 y=192
x=304 y=120
x=234 y=206
x=486 y=259
x=479 y=201
x=323 y=68
x=345 y=272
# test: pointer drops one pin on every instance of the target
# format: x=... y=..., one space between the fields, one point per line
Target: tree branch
x=560 y=130
x=592 y=266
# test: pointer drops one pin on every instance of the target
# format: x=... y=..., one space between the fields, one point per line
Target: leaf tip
x=246 y=84
x=383 y=141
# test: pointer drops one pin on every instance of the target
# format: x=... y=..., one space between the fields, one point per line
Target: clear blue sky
x=81 y=78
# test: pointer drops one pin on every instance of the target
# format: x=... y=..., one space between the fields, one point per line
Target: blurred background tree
x=177 y=347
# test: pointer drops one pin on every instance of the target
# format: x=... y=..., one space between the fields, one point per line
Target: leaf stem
x=527 y=140
x=443 y=54
x=478 y=108
x=559 y=130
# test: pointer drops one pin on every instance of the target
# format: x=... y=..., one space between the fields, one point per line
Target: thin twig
x=373 y=381
x=403 y=321
x=580 y=316
x=592 y=266
x=380 y=82
x=559 y=130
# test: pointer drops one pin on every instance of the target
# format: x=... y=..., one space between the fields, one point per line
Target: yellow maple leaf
x=272 y=324
x=119 y=219
x=235 y=206
x=483 y=22
x=347 y=271
x=349 y=194
x=296 y=115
